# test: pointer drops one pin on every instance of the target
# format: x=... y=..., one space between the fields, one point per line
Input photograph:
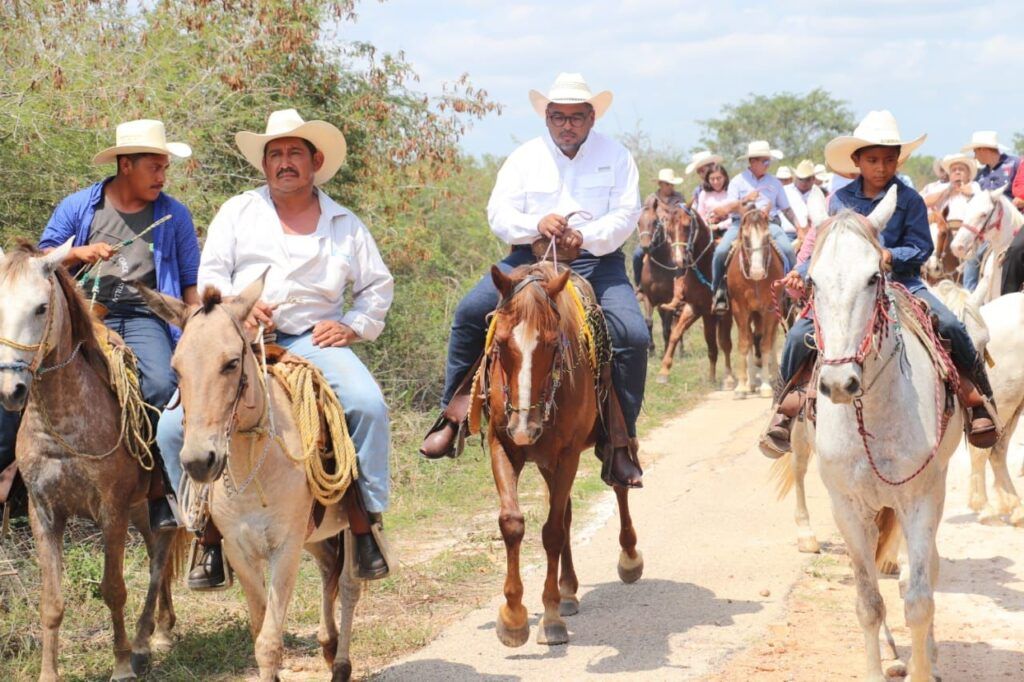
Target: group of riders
x=572 y=187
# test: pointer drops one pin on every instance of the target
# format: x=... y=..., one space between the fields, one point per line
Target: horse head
x=755 y=242
x=848 y=287
x=983 y=220
x=33 y=317
x=219 y=383
x=651 y=224
x=528 y=347
x=680 y=230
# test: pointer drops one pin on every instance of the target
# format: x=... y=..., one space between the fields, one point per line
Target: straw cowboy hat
x=668 y=175
x=570 y=88
x=877 y=128
x=143 y=136
x=287 y=123
x=950 y=160
x=760 y=149
x=784 y=173
x=701 y=159
x=982 y=139
x=806 y=169
x=937 y=166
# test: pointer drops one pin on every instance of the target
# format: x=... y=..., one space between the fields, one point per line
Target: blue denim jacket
x=175 y=245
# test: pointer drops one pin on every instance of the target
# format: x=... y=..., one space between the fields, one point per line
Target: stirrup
x=195 y=555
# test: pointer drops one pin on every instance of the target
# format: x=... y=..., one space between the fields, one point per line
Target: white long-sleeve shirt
x=537 y=179
x=308 y=273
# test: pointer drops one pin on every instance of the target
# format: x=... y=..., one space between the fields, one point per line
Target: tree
x=1018 y=143
x=799 y=125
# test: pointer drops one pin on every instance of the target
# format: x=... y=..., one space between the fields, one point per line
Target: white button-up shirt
x=798 y=202
x=308 y=274
x=537 y=179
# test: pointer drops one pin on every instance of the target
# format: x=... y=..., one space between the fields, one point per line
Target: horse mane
x=846 y=220
x=531 y=304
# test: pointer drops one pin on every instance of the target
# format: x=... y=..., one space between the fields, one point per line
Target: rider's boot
x=370 y=561
x=776 y=440
x=975 y=394
x=618 y=452
x=208 y=573
x=447 y=436
x=720 y=306
x=161 y=516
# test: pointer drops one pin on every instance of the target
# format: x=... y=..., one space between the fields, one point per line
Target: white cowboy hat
x=823 y=177
x=143 y=136
x=701 y=159
x=805 y=169
x=970 y=162
x=784 y=173
x=287 y=123
x=877 y=128
x=759 y=149
x=668 y=175
x=570 y=88
x=982 y=139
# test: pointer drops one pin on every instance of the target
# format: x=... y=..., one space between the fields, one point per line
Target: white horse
x=991 y=217
x=883 y=440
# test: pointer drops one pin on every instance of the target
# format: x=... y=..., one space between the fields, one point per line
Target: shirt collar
x=856 y=188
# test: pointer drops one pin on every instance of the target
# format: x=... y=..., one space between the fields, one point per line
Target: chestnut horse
x=754 y=266
x=943 y=263
x=692 y=247
x=74 y=451
x=657 y=278
x=538 y=385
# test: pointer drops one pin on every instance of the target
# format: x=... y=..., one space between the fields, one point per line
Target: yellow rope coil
x=309 y=393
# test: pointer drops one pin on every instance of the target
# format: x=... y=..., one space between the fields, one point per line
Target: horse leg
x=112 y=587
x=284 y=567
x=351 y=589
x=631 y=560
x=979 y=495
x=157 y=547
x=326 y=555
x=742 y=353
x=725 y=344
x=512 y=626
x=686 y=318
x=806 y=541
x=1009 y=501
x=48 y=532
x=770 y=365
x=551 y=629
x=249 y=569
x=568 y=584
x=710 y=325
x=921 y=522
x=668 y=321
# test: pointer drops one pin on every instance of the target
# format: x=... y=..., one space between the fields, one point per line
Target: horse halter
x=42 y=348
x=747 y=252
x=986 y=225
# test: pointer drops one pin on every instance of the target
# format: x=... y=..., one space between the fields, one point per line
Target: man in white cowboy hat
x=538 y=189
x=803 y=187
x=875 y=151
x=757 y=186
x=950 y=199
x=110 y=221
x=311 y=249
x=668 y=193
x=939 y=183
x=701 y=163
x=998 y=168
x=785 y=175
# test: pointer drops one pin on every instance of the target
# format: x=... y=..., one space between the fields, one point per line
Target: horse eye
x=874 y=279
x=41 y=309
x=230 y=366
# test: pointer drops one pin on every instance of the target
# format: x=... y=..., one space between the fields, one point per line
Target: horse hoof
x=896 y=668
x=123 y=676
x=140 y=663
x=889 y=568
x=569 y=606
x=989 y=517
x=728 y=384
x=552 y=632
x=977 y=503
x=808 y=545
x=766 y=391
x=630 y=570
x=661 y=379
x=739 y=394
x=512 y=636
x=1017 y=517
x=161 y=642
x=341 y=671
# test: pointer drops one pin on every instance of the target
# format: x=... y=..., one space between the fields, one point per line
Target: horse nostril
x=852 y=386
x=824 y=389
x=211 y=457
x=19 y=392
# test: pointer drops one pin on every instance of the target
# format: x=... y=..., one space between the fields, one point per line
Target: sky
x=942 y=67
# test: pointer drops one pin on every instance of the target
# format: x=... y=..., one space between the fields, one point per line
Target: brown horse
x=657 y=278
x=755 y=264
x=74 y=454
x=539 y=389
x=943 y=263
x=692 y=247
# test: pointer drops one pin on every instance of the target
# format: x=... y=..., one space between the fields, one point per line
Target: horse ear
x=879 y=218
x=53 y=258
x=240 y=306
x=501 y=281
x=555 y=285
x=816 y=209
x=167 y=308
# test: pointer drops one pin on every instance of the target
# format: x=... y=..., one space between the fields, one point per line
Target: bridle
x=747 y=252
x=987 y=224
x=42 y=348
x=690 y=261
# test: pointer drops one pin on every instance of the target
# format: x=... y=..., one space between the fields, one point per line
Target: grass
x=443 y=524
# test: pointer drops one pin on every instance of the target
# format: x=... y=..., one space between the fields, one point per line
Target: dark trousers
x=150 y=340
x=1013 y=267
x=629 y=336
x=800 y=344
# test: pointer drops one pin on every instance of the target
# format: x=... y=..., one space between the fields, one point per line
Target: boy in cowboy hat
x=757 y=185
x=666 y=193
x=570 y=169
x=311 y=249
x=876 y=150
x=109 y=221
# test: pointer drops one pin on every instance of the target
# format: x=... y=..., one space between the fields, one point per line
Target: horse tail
x=888 y=541
x=783 y=474
x=177 y=554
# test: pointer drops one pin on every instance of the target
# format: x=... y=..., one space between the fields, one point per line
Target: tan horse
x=539 y=389
x=755 y=265
x=72 y=452
x=263 y=511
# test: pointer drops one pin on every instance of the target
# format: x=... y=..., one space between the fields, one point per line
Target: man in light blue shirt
x=757 y=185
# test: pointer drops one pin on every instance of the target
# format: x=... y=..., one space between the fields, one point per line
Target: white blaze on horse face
x=22 y=299
x=525 y=339
x=758 y=243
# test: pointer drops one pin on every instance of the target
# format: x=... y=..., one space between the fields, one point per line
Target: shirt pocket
x=594 y=192
x=541 y=196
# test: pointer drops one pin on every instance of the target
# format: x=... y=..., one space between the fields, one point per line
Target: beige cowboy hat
x=701 y=159
x=982 y=139
x=784 y=173
x=144 y=136
x=877 y=128
x=287 y=123
x=760 y=149
x=570 y=88
x=668 y=175
x=805 y=169
x=950 y=160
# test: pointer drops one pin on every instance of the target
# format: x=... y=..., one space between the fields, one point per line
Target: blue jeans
x=801 y=334
x=150 y=340
x=366 y=414
x=972 y=268
x=626 y=326
x=779 y=236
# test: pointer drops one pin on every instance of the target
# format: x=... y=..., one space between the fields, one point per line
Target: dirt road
x=725 y=595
